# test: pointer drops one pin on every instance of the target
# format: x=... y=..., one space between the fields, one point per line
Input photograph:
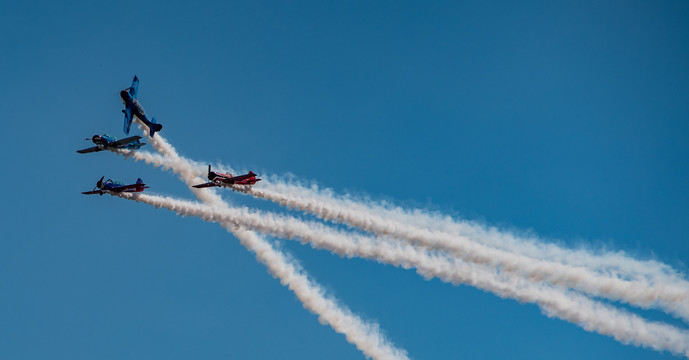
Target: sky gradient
x=569 y=121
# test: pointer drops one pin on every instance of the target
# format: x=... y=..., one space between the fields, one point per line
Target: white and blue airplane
x=133 y=108
x=107 y=142
x=114 y=187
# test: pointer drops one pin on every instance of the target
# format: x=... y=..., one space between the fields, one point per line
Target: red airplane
x=227 y=180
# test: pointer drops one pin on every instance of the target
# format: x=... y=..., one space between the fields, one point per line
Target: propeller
x=211 y=175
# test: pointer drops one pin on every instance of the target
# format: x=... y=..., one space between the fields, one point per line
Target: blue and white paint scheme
x=107 y=142
x=132 y=108
x=112 y=187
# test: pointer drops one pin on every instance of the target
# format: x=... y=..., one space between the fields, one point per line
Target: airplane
x=107 y=142
x=111 y=186
x=228 y=180
x=133 y=108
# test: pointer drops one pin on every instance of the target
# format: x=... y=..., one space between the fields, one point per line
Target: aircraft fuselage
x=137 y=109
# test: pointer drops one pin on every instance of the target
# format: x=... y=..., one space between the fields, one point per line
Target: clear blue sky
x=570 y=119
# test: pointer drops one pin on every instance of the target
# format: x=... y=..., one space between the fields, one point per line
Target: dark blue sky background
x=570 y=120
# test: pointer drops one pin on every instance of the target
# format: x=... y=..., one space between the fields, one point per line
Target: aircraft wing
x=208 y=184
x=125 y=141
x=128 y=187
x=91 y=192
x=89 y=150
x=241 y=177
x=127 y=119
x=134 y=89
x=251 y=181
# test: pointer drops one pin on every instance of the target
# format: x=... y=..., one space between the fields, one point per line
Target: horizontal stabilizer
x=154 y=127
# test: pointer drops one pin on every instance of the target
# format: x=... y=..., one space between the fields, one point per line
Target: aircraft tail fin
x=153 y=127
x=139 y=181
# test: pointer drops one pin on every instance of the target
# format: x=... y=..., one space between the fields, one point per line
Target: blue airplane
x=107 y=142
x=133 y=108
x=112 y=186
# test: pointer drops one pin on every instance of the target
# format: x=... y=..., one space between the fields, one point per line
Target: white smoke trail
x=665 y=296
x=365 y=336
x=591 y=315
x=614 y=263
